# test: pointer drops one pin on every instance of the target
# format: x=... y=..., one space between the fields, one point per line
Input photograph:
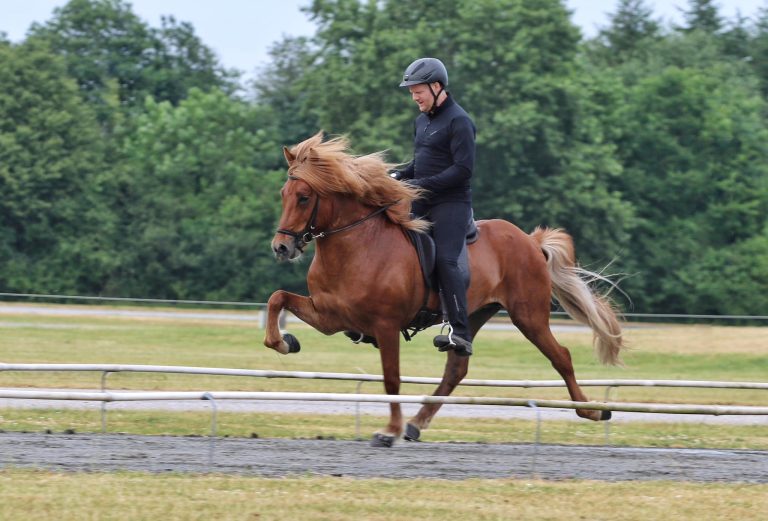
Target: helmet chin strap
x=435 y=96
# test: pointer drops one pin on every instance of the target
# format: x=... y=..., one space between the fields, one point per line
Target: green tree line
x=132 y=163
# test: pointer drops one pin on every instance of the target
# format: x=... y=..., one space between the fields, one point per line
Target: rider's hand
x=397 y=175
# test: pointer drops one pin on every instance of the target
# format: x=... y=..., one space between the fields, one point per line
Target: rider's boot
x=459 y=337
x=452 y=341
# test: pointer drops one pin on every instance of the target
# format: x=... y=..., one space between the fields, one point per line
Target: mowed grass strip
x=28 y=494
x=343 y=427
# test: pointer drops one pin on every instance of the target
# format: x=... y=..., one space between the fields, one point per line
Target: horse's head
x=325 y=171
x=313 y=169
x=299 y=218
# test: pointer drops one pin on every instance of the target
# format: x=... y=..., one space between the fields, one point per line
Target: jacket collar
x=440 y=108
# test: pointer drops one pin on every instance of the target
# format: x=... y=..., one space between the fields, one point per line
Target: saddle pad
x=425 y=249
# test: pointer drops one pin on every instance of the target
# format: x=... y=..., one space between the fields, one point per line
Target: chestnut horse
x=366 y=276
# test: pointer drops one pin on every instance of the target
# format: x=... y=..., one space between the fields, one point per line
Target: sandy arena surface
x=283 y=457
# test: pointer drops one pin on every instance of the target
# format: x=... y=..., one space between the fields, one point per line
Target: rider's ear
x=288 y=155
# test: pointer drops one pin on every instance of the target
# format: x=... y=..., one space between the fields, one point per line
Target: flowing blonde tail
x=570 y=286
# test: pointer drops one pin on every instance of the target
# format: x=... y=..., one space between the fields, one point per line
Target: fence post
x=532 y=405
x=607 y=423
x=212 y=445
x=104 y=404
x=357 y=412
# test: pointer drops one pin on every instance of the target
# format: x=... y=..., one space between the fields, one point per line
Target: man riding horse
x=443 y=160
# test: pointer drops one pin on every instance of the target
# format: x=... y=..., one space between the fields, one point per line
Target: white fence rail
x=262 y=306
x=259 y=373
x=106 y=396
x=125 y=396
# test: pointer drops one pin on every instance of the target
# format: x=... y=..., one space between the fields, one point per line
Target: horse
x=366 y=276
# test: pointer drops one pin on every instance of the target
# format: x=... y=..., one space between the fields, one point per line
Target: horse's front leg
x=389 y=350
x=303 y=308
x=455 y=370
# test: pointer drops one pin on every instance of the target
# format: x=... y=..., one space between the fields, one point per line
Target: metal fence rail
x=126 y=396
x=263 y=305
x=260 y=373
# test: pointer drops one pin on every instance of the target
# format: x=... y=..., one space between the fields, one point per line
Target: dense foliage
x=131 y=164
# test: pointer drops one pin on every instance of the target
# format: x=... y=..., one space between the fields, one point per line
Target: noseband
x=308 y=235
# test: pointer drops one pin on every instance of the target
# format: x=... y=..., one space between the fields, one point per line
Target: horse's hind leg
x=455 y=370
x=535 y=327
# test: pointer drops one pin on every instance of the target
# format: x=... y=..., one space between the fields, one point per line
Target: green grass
x=26 y=494
x=658 y=352
x=443 y=429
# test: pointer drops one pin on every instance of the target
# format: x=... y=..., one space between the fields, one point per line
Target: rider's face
x=422 y=96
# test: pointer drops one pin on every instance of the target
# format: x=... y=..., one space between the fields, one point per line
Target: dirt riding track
x=283 y=457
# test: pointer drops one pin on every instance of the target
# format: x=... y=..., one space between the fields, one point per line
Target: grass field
x=659 y=352
x=121 y=496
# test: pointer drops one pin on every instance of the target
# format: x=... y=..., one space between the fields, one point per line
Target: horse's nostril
x=281 y=249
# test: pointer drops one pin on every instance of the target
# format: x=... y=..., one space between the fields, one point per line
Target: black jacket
x=444 y=154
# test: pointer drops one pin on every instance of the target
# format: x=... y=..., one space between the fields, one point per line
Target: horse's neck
x=339 y=253
x=345 y=211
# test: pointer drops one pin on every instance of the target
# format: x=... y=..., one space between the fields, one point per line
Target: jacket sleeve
x=463 y=154
x=407 y=172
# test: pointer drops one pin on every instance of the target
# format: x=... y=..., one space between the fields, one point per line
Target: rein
x=308 y=234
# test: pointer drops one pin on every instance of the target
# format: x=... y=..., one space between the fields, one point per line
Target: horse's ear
x=288 y=155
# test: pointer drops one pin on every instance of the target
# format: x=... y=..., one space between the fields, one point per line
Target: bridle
x=308 y=235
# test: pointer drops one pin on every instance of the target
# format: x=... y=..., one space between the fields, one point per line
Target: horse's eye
x=303 y=199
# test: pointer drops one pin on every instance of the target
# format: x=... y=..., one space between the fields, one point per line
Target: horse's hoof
x=293 y=343
x=382 y=440
x=605 y=416
x=412 y=433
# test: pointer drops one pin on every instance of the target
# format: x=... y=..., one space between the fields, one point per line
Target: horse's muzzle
x=286 y=250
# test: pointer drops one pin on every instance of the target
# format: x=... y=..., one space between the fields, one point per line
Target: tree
x=630 y=26
x=113 y=53
x=694 y=155
x=759 y=49
x=736 y=39
x=54 y=227
x=280 y=87
x=724 y=280
x=703 y=15
x=200 y=185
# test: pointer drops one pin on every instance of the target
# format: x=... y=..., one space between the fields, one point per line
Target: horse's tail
x=570 y=286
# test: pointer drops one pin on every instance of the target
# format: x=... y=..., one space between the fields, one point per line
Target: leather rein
x=308 y=234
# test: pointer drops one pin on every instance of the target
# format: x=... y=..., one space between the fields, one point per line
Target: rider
x=444 y=156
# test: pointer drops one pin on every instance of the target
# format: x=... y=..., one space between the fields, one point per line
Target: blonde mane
x=328 y=168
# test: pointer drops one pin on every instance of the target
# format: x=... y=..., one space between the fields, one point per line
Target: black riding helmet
x=426 y=71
